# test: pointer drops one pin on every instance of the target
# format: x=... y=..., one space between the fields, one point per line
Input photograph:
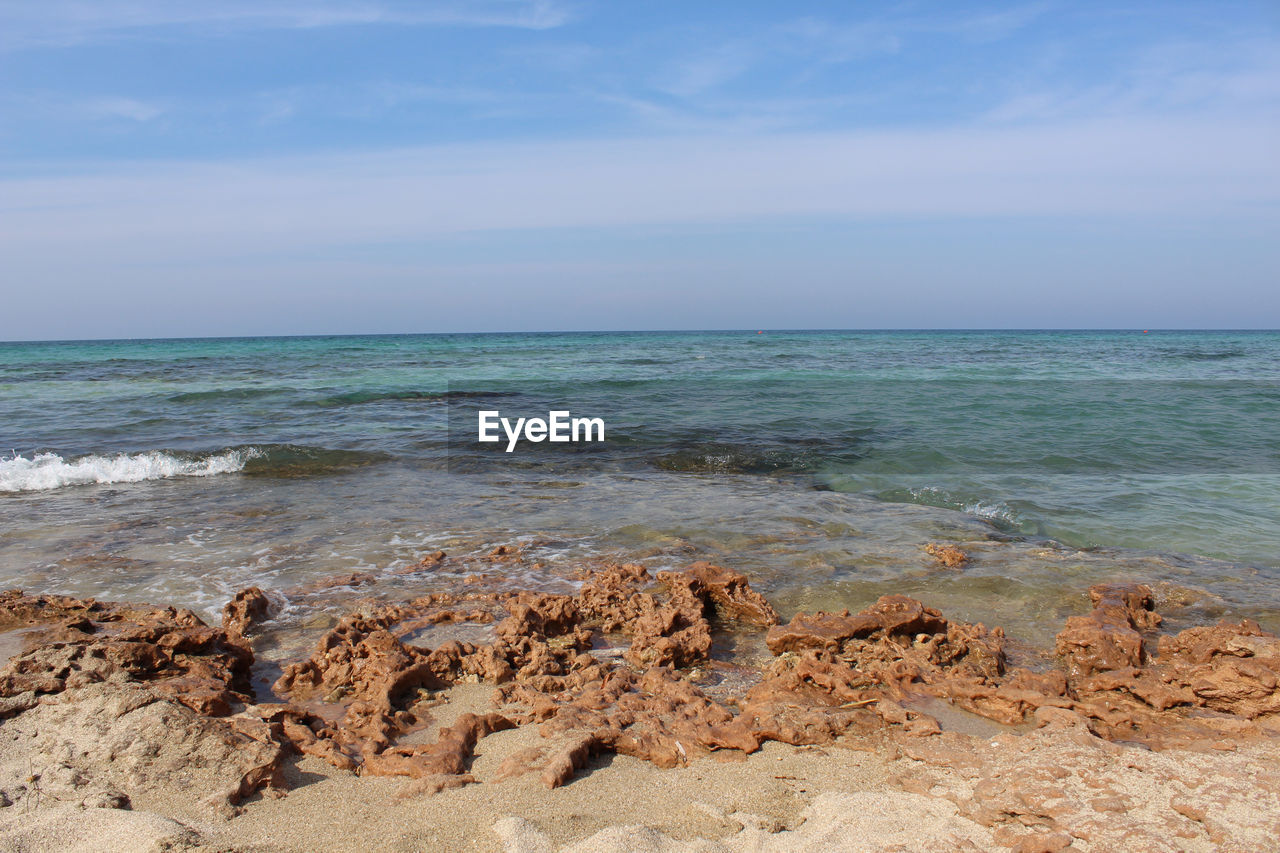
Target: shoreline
x=527 y=721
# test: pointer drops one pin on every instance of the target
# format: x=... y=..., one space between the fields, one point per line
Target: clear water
x=178 y=471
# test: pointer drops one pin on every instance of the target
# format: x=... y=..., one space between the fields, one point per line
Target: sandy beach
x=612 y=720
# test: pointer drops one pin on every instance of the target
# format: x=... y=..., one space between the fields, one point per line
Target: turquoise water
x=821 y=460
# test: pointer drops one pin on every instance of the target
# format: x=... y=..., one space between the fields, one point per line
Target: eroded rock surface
x=246 y=610
x=1109 y=637
x=610 y=669
x=1062 y=787
x=129 y=696
x=948 y=556
x=169 y=650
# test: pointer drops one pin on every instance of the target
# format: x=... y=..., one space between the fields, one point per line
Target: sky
x=250 y=167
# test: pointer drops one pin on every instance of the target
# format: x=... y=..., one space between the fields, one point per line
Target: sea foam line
x=46 y=471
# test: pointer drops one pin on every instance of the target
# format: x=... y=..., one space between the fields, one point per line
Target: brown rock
x=351 y=579
x=158 y=678
x=242 y=613
x=569 y=759
x=448 y=756
x=946 y=555
x=1108 y=638
x=726 y=591
x=369 y=682
x=1230 y=668
x=890 y=615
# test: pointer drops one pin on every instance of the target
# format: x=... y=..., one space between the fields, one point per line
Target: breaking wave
x=994 y=511
x=46 y=471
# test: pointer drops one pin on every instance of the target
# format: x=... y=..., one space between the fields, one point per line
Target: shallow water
x=819 y=463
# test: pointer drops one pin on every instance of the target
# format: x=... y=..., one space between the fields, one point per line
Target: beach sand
x=1049 y=789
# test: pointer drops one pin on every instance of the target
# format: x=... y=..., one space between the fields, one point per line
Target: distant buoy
x=759 y=333
x=1144 y=331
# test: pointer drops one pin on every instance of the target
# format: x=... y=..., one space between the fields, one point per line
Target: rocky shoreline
x=1132 y=737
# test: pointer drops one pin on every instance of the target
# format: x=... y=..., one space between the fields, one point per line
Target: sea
x=820 y=463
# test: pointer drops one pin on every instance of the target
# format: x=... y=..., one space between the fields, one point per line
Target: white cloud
x=66 y=22
x=251 y=208
x=59 y=107
x=126 y=108
x=832 y=40
x=1240 y=78
x=710 y=68
x=994 y=26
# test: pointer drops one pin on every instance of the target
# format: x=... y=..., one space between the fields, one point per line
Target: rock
x=370 y=682
x=171 y=650
x=106 y=800
x=1108 y=637
x=1230 y=668
x=102 y=741
x=320 y=585
x=450 y=755
x=569 y=759
x=890 y=615
x=725 y=591
x=674 y=632
x=249 y=607
x=611 y=597
x=948 y=556
x=18 y=610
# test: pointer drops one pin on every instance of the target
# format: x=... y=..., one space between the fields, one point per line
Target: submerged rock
x=948 y=556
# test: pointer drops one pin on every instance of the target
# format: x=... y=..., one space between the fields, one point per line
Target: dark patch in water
x=226 y=394
x=735 y=459
x=355 y=398
x=292 y=460
x=1206 y=355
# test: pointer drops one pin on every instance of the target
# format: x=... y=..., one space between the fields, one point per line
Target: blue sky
x=269 y=167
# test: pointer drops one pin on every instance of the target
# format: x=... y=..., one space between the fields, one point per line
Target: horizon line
x=744 y=330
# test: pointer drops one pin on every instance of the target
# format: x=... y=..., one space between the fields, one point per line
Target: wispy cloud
x=124 y=108
x=710 y=68
x=69 y=22
x=1239 y=77
x=363 y=101
x=81 y=109
x=996 y=25
x=800 y=44
x=847 y=40
x=1149 y=168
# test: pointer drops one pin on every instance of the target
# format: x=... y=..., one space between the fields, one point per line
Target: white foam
x=992 y=511
x=47 y=471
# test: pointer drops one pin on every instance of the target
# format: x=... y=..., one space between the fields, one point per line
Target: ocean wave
x=998 y=512
x=46 y=471
x=297 y=460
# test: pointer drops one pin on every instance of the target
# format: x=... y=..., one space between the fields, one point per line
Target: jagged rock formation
x=603 y=670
